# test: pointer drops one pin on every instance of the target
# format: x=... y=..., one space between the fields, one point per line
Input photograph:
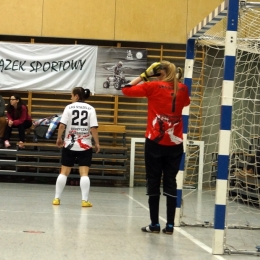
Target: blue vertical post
x=188 y=71
x=225 y=128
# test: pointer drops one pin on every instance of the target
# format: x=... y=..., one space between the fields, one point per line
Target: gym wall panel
x=21 y=17
x=79 y=19
x=198 y=10
x=167 y=21
x=156 y=21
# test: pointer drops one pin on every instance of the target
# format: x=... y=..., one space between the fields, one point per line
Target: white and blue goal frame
x=229 y=9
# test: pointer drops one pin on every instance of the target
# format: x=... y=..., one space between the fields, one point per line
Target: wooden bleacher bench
x=43 y=158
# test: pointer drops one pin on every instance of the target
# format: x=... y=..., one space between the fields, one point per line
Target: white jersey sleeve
x=65 y=116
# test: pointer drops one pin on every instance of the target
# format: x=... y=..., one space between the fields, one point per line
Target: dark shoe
x=168 y=229
x=152 y=229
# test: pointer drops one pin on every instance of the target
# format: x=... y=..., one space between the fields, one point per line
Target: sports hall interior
x=31 y=227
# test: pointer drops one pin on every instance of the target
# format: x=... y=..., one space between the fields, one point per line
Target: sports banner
x=42 y=67
x=116 y=67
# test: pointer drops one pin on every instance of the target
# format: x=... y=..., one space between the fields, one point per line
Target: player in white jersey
x=80 y=121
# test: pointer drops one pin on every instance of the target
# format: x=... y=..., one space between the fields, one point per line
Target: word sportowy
x=36 y=66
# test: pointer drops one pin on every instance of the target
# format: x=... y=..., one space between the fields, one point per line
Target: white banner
x=39 y=67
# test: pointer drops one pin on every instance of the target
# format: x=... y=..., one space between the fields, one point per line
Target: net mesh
x=243 y=194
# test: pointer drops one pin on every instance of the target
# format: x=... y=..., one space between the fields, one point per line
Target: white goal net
x=243 y=195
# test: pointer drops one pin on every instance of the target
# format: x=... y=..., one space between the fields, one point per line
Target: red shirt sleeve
x=22 y=118
x=141 y=90
x=9 y=117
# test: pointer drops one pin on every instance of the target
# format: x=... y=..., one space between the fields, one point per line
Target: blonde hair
x=170 y=74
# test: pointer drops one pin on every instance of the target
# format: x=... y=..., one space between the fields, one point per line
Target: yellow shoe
x=86 y=204
x=56 y=201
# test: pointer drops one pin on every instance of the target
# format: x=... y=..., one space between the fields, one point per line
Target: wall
x=166 y=21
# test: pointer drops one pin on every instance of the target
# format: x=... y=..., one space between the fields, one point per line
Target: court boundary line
x=181 y=231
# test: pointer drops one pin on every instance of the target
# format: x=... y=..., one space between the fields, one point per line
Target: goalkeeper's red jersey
x=164 y=122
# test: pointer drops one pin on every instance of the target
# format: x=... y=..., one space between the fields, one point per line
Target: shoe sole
x=168 y=233
x=144 y=230
x=156 y=232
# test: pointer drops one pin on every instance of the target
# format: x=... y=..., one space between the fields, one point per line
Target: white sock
x=60 y=184
x=84 y=185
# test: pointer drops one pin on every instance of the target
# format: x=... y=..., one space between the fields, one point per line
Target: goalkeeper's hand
x=153 y=70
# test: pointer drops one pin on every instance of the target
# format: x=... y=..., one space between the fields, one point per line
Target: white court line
x=184 y=233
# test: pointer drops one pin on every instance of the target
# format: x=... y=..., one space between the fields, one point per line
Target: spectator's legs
x=8 y=132
x=2 y=129
x=21 y=129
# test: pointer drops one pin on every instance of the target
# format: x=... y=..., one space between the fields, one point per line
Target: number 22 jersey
x=78 y=117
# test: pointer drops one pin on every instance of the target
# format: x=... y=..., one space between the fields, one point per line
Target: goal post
x=202 y=27
x=227 y=79
x=225 y=127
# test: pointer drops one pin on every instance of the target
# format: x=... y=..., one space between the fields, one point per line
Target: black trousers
x=21 y=130
x=162 y=162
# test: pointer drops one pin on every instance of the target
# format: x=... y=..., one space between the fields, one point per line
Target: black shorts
x=82 y=158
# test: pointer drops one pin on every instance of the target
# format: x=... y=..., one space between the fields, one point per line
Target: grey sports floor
x=32 y=228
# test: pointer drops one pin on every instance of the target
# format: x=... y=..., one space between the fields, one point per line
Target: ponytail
x=82 y=93
x=171 y=74
x=86 y=93
x=179 y=73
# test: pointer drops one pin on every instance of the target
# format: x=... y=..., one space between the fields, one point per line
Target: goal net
x=242 y=216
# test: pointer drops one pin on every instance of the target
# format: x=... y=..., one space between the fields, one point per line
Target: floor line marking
x=184 y=233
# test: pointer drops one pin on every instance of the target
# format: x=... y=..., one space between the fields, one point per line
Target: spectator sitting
x=2 y=120
x=17 y=114
x=253 y=167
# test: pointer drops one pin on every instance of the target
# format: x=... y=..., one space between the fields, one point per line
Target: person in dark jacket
x=3 y=121
x=17 y=115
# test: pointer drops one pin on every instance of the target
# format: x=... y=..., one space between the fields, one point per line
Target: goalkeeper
x=164 y=140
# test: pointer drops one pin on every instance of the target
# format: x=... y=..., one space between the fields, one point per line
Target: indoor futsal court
x=32 y=228
x=53 y=55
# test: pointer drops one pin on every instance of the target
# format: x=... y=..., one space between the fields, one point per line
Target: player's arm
x=94 y=132
x=152 y=71
x=135 y=81
x=61 y=129
x=142 y=90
